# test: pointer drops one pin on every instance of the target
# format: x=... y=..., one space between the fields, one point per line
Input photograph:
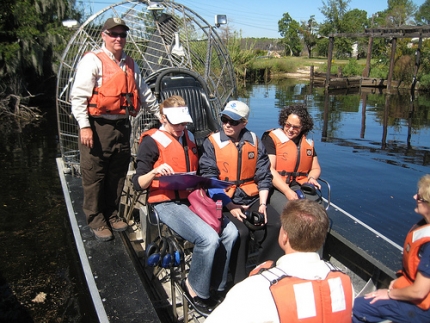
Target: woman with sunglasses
x=407 y=299
x=236 y=155
x=165 y=151
x=293 y=159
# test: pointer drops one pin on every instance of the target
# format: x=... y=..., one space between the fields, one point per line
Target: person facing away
x=236 y=155
x=407 y=298
x=107 y=90
x=301 y=287
x=293 y=159
x=168 y=150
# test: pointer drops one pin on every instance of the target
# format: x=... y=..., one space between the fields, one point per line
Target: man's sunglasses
x=420 y=199
x=230 y=121
x=115 y=35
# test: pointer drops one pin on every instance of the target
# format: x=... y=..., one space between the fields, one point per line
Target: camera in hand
x=254 y=220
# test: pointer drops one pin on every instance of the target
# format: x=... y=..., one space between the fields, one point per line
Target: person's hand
x=262 y=209
x=291 y=195
x=87 y=137
x=237 y=210
x=314 y=182
x=163 y=169
x=377 y=295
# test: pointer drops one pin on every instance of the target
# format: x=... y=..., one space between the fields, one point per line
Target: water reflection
x=385 y=122
x=373 y=147
x=36 y=242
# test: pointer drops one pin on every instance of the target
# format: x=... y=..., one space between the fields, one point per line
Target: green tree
x=399 y=13
x=422 y=16
x=289 y=30
x=32 y=39
x=308 y=31
x=334 y=11
x=354 y=21
x=341 y=20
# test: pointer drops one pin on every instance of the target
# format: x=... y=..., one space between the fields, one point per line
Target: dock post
x=329 y=58
x=390 y=72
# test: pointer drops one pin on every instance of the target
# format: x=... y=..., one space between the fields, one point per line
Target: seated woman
x=408 y=297
x=293 y=160
x=165 y=151
x=236 y=155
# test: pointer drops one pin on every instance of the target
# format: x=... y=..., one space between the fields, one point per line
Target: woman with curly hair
x=292 y=155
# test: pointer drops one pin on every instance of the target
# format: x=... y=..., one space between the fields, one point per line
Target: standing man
x=301 y=287
x=108 y=89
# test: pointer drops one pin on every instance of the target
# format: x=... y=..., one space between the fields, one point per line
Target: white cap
x=236 y=110
x=177 y=115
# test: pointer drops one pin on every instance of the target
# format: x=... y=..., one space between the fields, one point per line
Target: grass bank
x=293 y=64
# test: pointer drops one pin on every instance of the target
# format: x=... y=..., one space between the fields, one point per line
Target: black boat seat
x=193 y=89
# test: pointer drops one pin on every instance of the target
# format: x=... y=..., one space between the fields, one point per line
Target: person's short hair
x=301 y=111
x=175 y=116
x=172 y=101
x=306 y=223
x=424 y=187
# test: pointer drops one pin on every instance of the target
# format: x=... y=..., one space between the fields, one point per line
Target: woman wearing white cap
x=235 y=154
x=165 y=151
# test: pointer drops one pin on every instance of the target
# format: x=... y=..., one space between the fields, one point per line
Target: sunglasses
x=420 y=199
x=289 y=125
x=115 y=35
x=230 y=121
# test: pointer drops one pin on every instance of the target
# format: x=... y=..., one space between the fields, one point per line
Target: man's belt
x=117 y=122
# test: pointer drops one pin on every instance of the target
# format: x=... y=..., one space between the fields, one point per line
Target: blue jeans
x=208 y=245
x=396 y=311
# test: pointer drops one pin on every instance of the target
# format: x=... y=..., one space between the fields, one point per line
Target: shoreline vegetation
x=271 y=68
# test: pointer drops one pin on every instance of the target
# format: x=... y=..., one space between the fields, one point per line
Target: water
x=365 y=154
x=36 y=242
x=372 y=156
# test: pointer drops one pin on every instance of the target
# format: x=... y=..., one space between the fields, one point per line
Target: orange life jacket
x=311 y=301
x=118 y=92
x=292 y=162
x=236 y=165
x=181 y=157
x=411 y=259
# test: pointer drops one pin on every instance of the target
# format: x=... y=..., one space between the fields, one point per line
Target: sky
x=259 y=18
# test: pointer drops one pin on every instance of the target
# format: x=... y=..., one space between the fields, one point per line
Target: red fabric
x=208 y=210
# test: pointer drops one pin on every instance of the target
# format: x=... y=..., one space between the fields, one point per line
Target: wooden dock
x=339 y=82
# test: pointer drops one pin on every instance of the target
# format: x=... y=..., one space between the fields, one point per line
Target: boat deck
x=361 y=251
x=117 y=289
x=123 y=289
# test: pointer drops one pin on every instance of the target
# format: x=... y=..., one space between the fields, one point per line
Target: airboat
x=178 y=52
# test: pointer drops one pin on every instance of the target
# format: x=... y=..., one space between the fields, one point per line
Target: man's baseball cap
x=113 y=22
x=236 y=110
